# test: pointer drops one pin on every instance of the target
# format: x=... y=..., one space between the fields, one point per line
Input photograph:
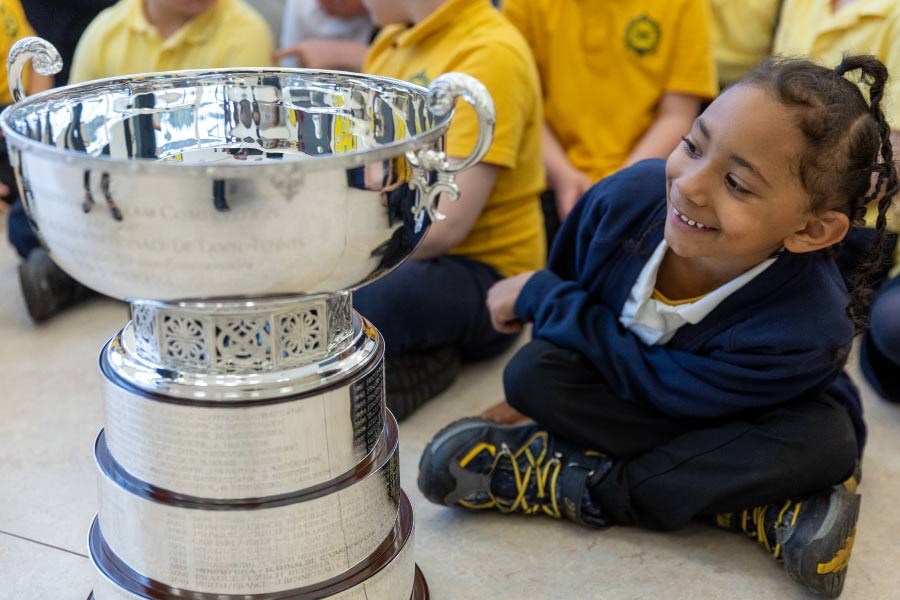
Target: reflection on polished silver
x=442 y=97
x=120 y=361
x=278 y=181
x=242 y=337
x=239 y=449
x=45 y=60
x=387 y=574
x=247 y=453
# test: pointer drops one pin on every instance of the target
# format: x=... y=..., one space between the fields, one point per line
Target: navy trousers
x=426 y=304
x=19 y=231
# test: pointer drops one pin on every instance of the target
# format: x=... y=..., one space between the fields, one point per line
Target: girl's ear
x=821 y=231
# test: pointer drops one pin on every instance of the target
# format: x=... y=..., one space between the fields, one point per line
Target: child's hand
x=569 y=189
x=501 y=300
x=325 y=53
x=344 y=9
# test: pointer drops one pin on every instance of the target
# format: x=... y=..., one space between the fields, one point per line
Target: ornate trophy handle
x=45 y=61
x=442 y=96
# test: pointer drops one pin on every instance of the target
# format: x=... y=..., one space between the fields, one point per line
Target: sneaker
x=480 y=465
x=812 y=537
x=46 y=288
x=411 y=380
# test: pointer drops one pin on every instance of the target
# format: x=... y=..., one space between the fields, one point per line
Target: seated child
x=690 y=333
x=140 y=36
x=143 y=36
x=621 y=82
x=432 y=310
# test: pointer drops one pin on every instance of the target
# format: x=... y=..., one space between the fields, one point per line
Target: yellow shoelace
x=544 y=473
x=757 y=517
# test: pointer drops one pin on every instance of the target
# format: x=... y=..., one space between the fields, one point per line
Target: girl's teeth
x=690 y=222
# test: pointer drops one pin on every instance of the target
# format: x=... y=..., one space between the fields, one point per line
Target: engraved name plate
x=251 y=548
x=249 y=449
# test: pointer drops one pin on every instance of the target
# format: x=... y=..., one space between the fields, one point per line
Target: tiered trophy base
x=376 y=577
x=420 y=588
x=256 y=481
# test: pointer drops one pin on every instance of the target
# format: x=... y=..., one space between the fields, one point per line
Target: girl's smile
x=683 y=221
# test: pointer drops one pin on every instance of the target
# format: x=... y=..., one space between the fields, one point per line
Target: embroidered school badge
x=642 y=35
x=421 y=78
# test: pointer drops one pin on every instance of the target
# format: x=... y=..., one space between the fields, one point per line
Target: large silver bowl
x=233 y=183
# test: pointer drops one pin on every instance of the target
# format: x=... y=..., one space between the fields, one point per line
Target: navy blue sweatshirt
x=781 y=336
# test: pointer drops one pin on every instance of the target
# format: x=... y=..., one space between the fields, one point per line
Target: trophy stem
x=242 y=336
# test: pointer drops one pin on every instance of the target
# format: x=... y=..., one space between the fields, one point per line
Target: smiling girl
x=690 y=333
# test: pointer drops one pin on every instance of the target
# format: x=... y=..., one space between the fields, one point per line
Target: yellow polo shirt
x=471 y=37
x=742 y=32
x=15 y=27
x=810 y=27
x=120 y=41
x=605 y=65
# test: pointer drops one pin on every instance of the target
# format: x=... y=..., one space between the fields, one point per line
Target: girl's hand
x=501 y=300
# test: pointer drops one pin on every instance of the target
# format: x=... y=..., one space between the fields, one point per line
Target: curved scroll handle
x=45 y=61
x=442 y=96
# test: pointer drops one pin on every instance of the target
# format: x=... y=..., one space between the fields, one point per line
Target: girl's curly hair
x=848 y=146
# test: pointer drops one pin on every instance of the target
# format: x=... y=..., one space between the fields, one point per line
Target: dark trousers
x=19 y=231
x=880 y=351
x=427 y=304
x=669 y=471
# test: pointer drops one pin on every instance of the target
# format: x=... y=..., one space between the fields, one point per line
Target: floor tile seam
x=40 y=543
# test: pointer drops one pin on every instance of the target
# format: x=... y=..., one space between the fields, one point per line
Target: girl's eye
x=732 y=184
x=689 y=148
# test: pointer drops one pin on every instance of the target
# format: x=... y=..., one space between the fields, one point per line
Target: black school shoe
x=47 y=289
x=412 y=380
x=813 y=537
x=480 y=465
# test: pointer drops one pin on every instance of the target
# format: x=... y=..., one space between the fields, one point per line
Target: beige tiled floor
x=50 y=411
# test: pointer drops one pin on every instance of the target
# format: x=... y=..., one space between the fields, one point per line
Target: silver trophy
x=247 y=452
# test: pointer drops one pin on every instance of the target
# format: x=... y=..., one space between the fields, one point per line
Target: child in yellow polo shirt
x=143 y=36
x=742 y=34
x=431 y=310
x=622 y=81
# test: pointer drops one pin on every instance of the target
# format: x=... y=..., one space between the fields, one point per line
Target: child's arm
x=475 y=185
x=347 y=55
x=675 y=115
x=676 y=382
x=568 y=183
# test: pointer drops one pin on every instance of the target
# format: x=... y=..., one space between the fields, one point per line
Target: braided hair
x=848 y=146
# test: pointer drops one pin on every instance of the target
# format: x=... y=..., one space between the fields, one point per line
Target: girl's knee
x=526 y=376
x=831 y=454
